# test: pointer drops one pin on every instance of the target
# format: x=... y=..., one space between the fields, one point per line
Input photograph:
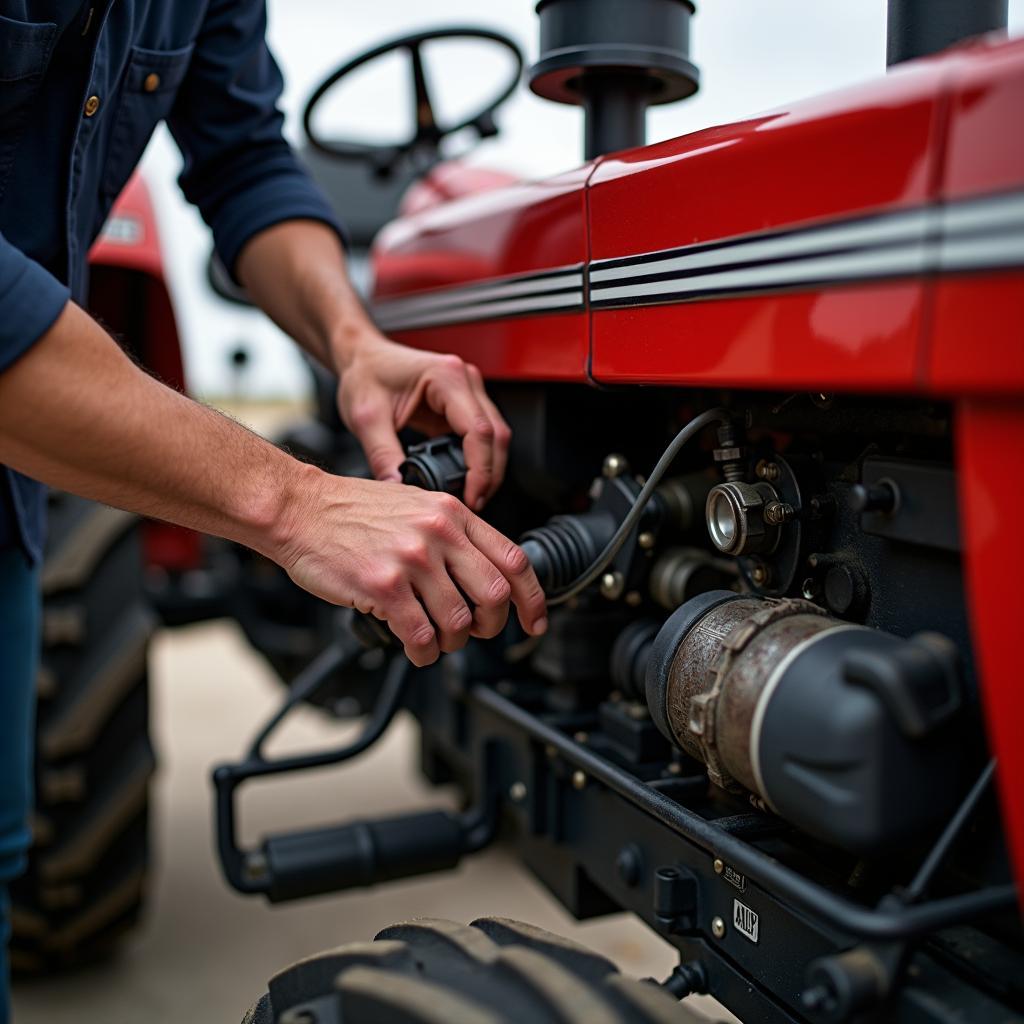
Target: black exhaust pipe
x=920 y=27
x=615 y=59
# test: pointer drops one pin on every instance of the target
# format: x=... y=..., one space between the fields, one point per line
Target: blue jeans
x=19 y=652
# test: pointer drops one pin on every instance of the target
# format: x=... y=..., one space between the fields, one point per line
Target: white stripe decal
x=482 y=293
x=486 y=311
x=968 y=235
x=845 y=266
x=812 y=242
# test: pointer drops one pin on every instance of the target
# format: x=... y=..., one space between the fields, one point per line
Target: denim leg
x=19 y=651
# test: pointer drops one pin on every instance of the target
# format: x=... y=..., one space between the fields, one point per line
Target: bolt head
x=719 y=865
x=581 y=737
x=718 y=928
x=766 y=470
x=646 y=540
x=634 y=599
x=614 y=465
x=612 y=585
x=579 y=780
x=759 y=574
x=517 y=792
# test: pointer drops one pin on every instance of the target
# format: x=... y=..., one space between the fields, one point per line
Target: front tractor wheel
x=493 y=971
x=94 y=761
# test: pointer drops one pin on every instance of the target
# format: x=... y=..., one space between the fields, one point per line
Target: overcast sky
x=753 y=55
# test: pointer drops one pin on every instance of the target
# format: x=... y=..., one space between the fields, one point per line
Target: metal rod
x=778 y=879
x=944 y=843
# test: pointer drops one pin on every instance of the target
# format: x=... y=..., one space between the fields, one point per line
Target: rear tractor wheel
x=94 y=761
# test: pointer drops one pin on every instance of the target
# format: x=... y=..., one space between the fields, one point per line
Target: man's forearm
x=77 y=414
x=295 y=271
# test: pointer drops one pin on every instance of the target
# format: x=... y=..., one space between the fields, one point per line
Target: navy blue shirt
x=82 y=86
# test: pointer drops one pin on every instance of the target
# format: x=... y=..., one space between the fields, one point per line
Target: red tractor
x=766 y=383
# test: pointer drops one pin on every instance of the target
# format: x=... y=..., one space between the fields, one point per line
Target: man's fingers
x=502 y=431
x=372 y=422
x=484 y=585
x=456 y=401
x=409 y=622
x=446 y=607
x=512 y=563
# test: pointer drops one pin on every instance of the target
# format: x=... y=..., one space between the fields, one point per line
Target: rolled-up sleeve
x=239 y=170
x=31 y=299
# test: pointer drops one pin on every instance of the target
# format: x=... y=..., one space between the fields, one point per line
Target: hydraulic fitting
x=744 y=518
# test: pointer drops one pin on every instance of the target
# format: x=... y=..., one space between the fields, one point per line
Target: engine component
x=839 y=729
x=744 y=519
x=682 y=573
x=436 y=465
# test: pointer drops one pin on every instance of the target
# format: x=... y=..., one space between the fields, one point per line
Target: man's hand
x=76 y=413
x=296 y=272
x=386 y=387
x=410 y=558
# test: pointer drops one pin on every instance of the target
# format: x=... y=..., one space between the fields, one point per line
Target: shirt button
x=151 y=82
x=92 y=104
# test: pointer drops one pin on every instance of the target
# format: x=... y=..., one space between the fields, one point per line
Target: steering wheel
x=425 y=143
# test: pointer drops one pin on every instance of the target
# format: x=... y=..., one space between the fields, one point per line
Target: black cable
x=697 y=424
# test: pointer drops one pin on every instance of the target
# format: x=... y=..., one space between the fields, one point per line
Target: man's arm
x=76 y=413
x=275 y=231
x=296 y=272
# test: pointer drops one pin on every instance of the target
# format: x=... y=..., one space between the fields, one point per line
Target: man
x=82 y=85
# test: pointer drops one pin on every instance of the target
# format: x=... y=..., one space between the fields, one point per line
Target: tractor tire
x=493 y=971
x=89 y=861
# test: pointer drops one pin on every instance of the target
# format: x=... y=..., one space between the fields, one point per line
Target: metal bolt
x=517 y=792
x=612 y=585
x=718 y=928
x=880 y=497
x=629 y=864
x=579 y=780
x=581 y=737
x=811 y=589
x=719 y=865
x=766 y=470
x=614 y=465
x=760 y=574
x=255 y=867
x=646 y=540
x=638 y=712
x=778 y=512
x=675 y=768
x=634 y=599
x=551 y=751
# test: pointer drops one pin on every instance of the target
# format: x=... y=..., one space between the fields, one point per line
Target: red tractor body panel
x=494 y=235
x=871 y=242
x=128 y=292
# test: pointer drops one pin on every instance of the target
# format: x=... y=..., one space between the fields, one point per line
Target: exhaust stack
x=614 y=59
